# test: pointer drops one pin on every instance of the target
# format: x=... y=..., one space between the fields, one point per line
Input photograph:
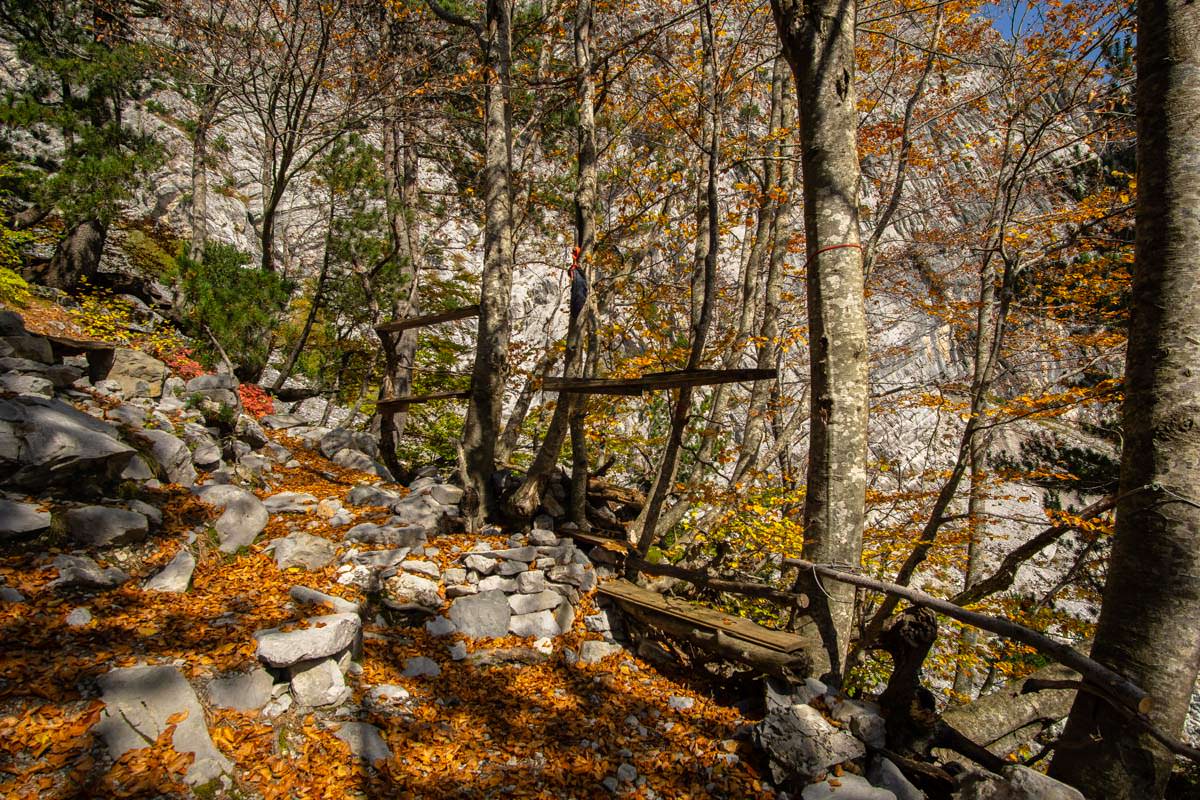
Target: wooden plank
x=395 y=326
x=707 y=618
x=608 y=543
x=657 y=380
x=409 y=400
x=744 y=588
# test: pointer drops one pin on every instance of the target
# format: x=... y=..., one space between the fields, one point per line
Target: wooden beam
x=656 y=380
x=1123 y=690
x=744 y=588
x=395 y=326
x=409 y=400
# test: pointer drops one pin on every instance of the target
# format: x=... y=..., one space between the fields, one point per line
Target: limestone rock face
x=45 y=442
x=138 y=701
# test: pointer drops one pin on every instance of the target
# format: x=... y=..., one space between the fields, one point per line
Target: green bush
x=13 y=288
x=238 y=303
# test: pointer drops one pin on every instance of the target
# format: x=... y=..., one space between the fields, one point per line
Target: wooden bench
x=725 y=635
x=99 y=354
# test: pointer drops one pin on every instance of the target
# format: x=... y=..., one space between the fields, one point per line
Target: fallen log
x=698 y=578
x=1120 y=688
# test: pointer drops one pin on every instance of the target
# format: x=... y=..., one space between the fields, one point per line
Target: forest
x=819 y=376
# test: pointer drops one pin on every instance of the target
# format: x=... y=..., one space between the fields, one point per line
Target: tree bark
x=490 y=371
x=1149 y=628
x=77 y=255
x=818 y=42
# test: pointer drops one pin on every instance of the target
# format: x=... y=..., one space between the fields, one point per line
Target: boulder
x=247 y=691
x=592 y=652
x=421 y=666
x=481 y=615
x=535 y=625
x=102 y=526
x=353 y=459
x=1014 y=782
x=176 y=576
x=279 y=422
x=291 y=503
x=341 y=439
x=801 y=744
x=140 y=375
x=405 y=591
x=31 y=385
x=21 y=519
x=303 y=550
x=883 y=773
x=242 y=519
x=322 y=637
x=446 y=494
x=532 y=603
x=393 y=535
x=319 y=683
x=79 y=617
x=171 y=454
x=370 y=496
x=81 y=572
x=365 y=741
x=138 y=702
x=846 y=786
x=45 y=442
x=33 y=348
x=250 y=432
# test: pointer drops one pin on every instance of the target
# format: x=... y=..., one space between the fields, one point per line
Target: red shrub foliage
x=255 y=400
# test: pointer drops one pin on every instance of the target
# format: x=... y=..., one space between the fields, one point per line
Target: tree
x=1149 y=628
x=818 y=42
x=84 y=64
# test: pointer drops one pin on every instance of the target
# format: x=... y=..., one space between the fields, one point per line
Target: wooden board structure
x=707 y=619
x=409 y=400
x=657 y=380
x=453 y=314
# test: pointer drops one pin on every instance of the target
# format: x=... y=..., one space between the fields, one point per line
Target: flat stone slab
x=249 y=691
x=242 y=519
x=176 y=576
x=139 y=700
x=291 y=503
x=81 y=572
x=303 y=550
x=303 y=594
x=21 y=519
x=319 y=683
x=44 y=442
x=392 y=535
x=481 y=615
x=322 y=637
x=102 y=526
x=365 y=741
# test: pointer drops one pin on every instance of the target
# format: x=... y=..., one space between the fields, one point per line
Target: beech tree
x=818 y=42
x=1149 y=628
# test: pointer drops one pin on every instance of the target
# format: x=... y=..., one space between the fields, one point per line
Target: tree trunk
x=490 y=371
x=1149 y=627
x=77 y=255
x=818 y=42
x=204 y=121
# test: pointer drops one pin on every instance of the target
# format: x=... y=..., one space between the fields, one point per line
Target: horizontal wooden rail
x=656 y=380
x=395 y=326
x=410 y=400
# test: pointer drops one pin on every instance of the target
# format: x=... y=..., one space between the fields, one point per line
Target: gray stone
x=680 y=703
x=886 y=775
x=405 y=591
x=281 y=421
x=324 y=636
x=531 y=582
x=31 y=385
x=171 y=455
x=512 y=568
x=543 y=538
x=139 y=700
x=483 y=615
x=176 y=576
x=446 y=494
x=247 y=691
x=498 y=583
x=799 y=742
x=319 y=683
x=303 y=550
x=536 y=625
x=79 y=617
x=461 y=590
x=426 y=568
x=440 y=626
x=532 y=603
x=248 y=431
x=11 y=323
x=340 y=439
x=396 y=536
x=102 y=526
x=137 y=470
x=600 y=622
x=627 y=773
x=386 y=697
x=575 y=575
x=151 y=513
x=45 y=442
x=871 y=728
x=33 y=348
x=365 y=741
x=291 y=503
x=11 y=595
x=138 y=374
x=1015 y=782
x=353 y=459
x=458 y=651
x=21 y=519
x=243 y=519
x=846 y=786
x=371 y=496
x=564 y=617
x=592 y=652
x=421 y=666
x=454 y=575
x=524 y=554
x=481 y=564
x=206 y=383
x=81 y=572
x=303 y=594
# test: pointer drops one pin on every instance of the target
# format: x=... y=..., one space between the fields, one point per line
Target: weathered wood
x=603 y=491
x=698 y=578
x=676 y=379
x=1121 y=688
x=404 y=402
x=395 y=326
x=698 y=616
x=790 y=666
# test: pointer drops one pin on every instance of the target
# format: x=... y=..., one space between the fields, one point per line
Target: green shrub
x=13 y=288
